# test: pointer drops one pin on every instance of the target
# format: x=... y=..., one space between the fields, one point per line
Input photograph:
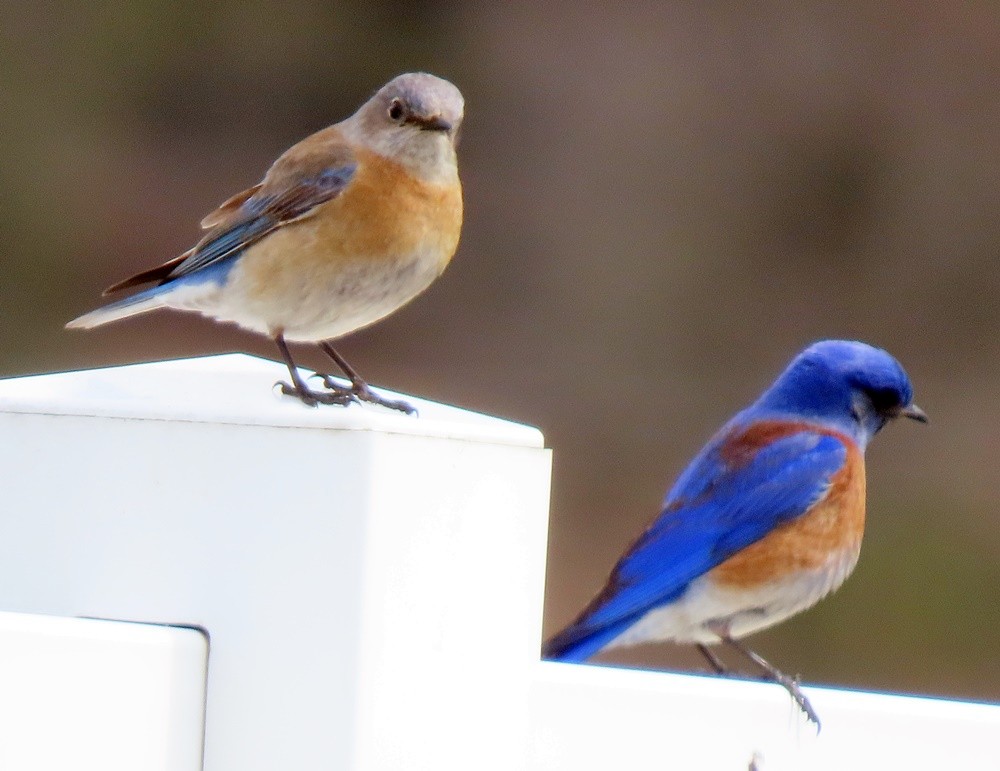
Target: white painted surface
x=595 y=717
x=352 y=566
x=237 y=389
x=93 y=695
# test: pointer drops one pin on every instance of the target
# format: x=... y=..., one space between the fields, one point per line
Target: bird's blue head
x=850 y=386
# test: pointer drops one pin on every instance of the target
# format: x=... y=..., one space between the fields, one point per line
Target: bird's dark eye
x=884 y=399
x=396 y=109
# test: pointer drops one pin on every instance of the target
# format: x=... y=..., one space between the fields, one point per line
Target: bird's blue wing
x=726 y=500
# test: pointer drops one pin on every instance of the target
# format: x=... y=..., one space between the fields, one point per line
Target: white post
x=92 y=695
x=371 y=583
x=593 y=717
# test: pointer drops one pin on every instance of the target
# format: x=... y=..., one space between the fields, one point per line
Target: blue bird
x=764 y=522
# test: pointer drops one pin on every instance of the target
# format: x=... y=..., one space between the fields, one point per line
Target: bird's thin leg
x=359 y=388
x=714 y=661
x=298 y=388
x=790 y=684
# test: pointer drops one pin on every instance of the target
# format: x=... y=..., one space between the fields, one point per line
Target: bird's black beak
x=433 y=123
x=913 y=412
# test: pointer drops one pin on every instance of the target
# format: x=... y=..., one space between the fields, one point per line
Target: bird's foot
x=791 y=684
x=774 y=675
x=360 y=391
x=312 y=398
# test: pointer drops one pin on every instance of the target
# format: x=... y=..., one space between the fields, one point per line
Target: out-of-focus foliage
x=664 y=203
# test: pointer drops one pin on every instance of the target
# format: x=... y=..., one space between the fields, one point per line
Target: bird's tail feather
x=142 y=302
x=577 y=645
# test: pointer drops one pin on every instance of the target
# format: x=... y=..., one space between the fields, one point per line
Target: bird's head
x=414 y=120
x=848 y=385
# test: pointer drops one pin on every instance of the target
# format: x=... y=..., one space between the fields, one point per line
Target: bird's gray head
x=413 y=119
x=848 y=385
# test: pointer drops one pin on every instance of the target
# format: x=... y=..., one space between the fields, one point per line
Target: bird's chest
x=824 y=541
x=390 y=216
x=354 y=260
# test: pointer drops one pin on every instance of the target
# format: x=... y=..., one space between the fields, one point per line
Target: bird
x=765 y=521
x=346 y=226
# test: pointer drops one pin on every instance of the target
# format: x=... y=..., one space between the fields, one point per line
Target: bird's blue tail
x=147 y=300
x=153 y=297
x=577 y=643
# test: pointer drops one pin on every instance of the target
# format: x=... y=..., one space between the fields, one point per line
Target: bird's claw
x=313 y=398
x=342 y=395
x=791 y=684
x=359 y=391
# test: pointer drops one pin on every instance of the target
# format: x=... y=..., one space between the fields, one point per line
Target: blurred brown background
x=665 y=202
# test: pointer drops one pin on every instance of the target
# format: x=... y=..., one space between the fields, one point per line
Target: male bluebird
x=765 y=521
x=347 y=226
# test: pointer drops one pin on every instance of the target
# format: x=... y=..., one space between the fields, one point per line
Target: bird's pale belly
x=321 y=302
x=708 y=607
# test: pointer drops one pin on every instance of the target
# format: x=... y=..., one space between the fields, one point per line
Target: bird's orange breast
x=384 y=216
x=832 y=527
x=387 y=212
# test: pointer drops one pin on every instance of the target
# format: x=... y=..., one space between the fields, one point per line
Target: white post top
x=238 y=389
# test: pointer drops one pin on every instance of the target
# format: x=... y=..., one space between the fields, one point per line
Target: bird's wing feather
x=292 y=190
x=158 y=273
x=227 y=207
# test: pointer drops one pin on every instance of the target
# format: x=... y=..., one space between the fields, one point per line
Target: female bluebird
x=347 y=226
x=765 y=521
